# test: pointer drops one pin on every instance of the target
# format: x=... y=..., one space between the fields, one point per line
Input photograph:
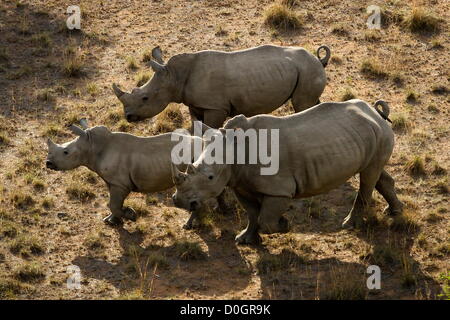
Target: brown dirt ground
x=316 y=259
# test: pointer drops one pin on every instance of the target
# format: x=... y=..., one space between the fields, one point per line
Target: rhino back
x=322 y=147
x=252 y=81
x=139 y=163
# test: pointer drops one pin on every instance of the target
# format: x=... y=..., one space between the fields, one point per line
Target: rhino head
x=153 y=97
x=69 y=155
x=200 y=182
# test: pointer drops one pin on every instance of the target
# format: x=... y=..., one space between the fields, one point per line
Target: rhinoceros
x=126 y=163
x=319 y=149
x=217 y=84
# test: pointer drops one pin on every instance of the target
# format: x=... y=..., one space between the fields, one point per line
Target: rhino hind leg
x=270 y=217
x=367 y=180
x=250 y=234
x=307 y=95
x=386 y=187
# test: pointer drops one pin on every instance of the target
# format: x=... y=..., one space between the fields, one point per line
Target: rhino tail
x=325 y=59
x=384 y=112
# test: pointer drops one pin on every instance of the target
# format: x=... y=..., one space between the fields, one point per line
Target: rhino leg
x=190 y=223
x=385 y=186
x=117 y=196
x=307 y=94
x=270 y=218
x=215 y=118
x=250 y=234
x=367 y=181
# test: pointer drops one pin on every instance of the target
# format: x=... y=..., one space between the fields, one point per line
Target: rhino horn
x=177 y=175
x=50 y=143
x=190 y=169
x=84 y=124
x=117 y=91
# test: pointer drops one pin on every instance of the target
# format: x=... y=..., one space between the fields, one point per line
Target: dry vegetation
x=51 y=77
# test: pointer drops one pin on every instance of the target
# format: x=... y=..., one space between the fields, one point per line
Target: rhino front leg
x=270 y=217
x=250 y=234
x=214 y=118
x=117 y=196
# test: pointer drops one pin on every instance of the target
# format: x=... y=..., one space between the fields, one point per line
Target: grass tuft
x=282 y=18
x=416 y=167
x=421 y=20
x=187 y=250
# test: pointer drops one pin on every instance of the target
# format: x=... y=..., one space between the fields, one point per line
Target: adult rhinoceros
x=319 y=149
x=217 y=84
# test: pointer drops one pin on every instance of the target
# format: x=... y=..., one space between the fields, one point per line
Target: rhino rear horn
x=117 y=91
x=177 y=176
x=157 y=55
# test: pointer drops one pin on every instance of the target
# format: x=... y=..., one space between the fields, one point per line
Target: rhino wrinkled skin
x=217 y=84
x=320 y=148
x=126 y=163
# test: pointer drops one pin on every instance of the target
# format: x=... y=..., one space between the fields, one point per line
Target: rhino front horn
x=117 y=91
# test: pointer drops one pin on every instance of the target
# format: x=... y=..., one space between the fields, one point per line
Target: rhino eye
x=66 y=152
x=145 y=98
x=210 y=177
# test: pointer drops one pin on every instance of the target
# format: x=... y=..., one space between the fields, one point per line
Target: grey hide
x=126 y=163
x=319 y=149
x=217 y=84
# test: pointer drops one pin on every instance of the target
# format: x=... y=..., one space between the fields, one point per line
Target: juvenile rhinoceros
x=126 y=163
x=319 y=149
x=217 y=84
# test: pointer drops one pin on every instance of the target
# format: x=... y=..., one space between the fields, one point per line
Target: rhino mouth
x=51 y=165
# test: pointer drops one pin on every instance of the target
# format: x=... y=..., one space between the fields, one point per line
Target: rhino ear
x=77 y=131
x=156 y=66
x=157 y=55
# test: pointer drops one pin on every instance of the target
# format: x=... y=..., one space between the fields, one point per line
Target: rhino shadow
x=36 y=42
x=174 y=276
x=388 y=247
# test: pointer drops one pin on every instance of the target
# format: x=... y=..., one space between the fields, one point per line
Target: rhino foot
x=349 y=222
x=112 y=220
x=247 y=237
x=283 y=225
x=394 y=211
x=129 y=214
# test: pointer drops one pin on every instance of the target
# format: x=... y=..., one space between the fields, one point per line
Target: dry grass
x=282 y=18
x=169 y=120
x=416 y=166
x=26 y=245
x=347 y=94
x=29 y=272
x=188 y=250
x=142 y=78
x=344 y=283
x=132 y=64
x=79 y=192
x=373 y=68
x=421 y=20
